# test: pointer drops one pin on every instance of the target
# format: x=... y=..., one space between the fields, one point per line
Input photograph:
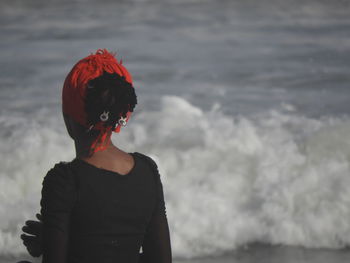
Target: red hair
x=74 y=90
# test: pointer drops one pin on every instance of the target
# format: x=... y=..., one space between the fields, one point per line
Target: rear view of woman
x=106 y=205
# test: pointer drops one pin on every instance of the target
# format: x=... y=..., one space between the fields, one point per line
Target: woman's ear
x=74 y=129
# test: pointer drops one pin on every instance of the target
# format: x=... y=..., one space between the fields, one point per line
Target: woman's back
x=98 y=215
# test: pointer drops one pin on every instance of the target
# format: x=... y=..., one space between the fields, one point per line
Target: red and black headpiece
x=85 y=74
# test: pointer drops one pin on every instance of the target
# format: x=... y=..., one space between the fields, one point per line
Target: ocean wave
x=276 y=177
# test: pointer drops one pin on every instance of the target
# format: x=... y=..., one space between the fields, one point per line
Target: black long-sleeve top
x=93 y=215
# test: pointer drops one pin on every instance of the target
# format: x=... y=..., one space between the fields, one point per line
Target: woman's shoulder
x=147 y=159
x=152 y=164
x=60 y=168
x=60 y=173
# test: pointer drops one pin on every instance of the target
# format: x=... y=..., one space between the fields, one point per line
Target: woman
x=106 y=204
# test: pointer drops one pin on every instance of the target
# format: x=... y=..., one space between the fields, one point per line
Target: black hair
x=109 y=92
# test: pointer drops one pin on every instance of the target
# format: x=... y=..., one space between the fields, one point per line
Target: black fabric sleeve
x=156 y=244
x=58 y=197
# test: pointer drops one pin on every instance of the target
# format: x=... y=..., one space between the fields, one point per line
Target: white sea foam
x=276 y=177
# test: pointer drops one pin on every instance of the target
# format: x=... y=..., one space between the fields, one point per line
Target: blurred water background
x=244 y=105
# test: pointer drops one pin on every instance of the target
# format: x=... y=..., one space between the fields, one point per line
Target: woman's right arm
x=57 y=200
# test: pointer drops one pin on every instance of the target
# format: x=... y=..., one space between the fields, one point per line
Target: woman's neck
x=82 y=148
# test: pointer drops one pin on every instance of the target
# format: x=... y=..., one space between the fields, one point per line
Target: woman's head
x=97 y=97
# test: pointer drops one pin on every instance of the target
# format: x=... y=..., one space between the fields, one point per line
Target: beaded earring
x=104 y=116
x=122 y=121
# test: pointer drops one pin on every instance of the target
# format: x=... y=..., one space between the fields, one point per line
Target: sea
x=244 y=105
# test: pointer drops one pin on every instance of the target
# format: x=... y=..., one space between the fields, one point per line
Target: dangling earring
x=122 y=121
x=89 y=128
x=104 y=116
